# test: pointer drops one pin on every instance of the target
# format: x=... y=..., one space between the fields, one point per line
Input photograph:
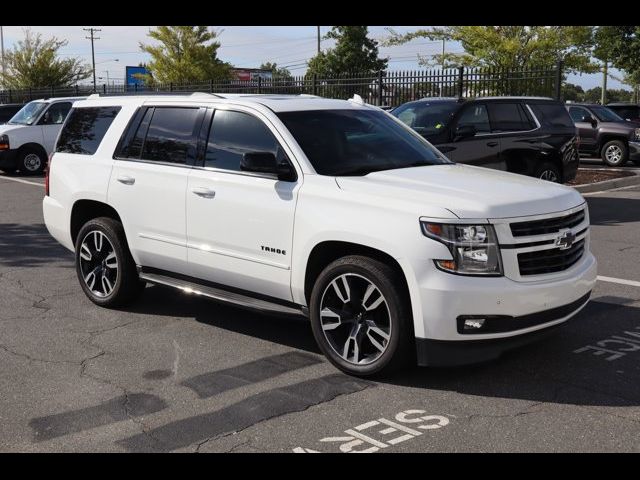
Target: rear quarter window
x=551 y=114
x=85 y=128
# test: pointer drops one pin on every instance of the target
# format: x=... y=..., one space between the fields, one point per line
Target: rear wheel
x=105 y=268
x=548 y=171
x=360 y=317
x=31 y=161
x=614 y=153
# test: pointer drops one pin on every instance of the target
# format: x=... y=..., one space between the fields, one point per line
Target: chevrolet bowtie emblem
x=565 y=240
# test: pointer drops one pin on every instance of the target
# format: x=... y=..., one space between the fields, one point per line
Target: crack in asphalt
x=35 y=359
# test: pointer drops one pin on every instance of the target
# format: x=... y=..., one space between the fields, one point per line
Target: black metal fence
x=384 y=88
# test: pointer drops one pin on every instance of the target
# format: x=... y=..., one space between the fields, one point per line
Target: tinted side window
x=170 y=137
x=477 y=116
x=56 y=113
x=577 y=113
x=552 y=114
x=85 y=129
x=508 y=117
x=233 y=134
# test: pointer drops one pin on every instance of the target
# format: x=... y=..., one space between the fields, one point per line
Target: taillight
x=46 y=175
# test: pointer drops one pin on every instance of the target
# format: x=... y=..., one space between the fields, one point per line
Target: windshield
x=28 y=114
x=357 y=142
x=605 y=114
x=426 y=118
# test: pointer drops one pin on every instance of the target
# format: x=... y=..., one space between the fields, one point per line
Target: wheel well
x=326 y=252
x=33 y=146
x=85 y=210
x=608 y=138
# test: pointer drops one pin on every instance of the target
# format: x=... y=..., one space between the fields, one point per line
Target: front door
x=240 y=224
x=51 y=123
x=482 y=149
x=587 y=130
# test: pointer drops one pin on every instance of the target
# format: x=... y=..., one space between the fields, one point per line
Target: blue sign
x=131 y=71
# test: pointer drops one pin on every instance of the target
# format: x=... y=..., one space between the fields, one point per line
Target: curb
x=609 y=184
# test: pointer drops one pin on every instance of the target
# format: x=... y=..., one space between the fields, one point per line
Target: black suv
x=527 y=135
x=605 y=134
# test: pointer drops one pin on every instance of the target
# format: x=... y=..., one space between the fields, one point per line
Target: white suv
x=29 y=137
x=327 y=208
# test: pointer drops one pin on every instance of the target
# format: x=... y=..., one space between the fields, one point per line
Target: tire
x=102 y=252
x=31 y=161
x=355 y=321
x=549 y=171
x=614 y=153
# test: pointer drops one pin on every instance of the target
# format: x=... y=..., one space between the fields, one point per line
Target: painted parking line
x=621 y=281
x=20 y=180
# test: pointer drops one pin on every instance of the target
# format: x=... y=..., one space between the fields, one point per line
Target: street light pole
x=93 y=55
x=318 y=39
x=2 y=49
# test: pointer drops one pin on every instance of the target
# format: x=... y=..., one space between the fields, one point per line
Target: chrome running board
x=238 y=299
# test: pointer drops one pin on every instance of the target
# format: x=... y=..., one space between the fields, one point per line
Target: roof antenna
x=357 y=99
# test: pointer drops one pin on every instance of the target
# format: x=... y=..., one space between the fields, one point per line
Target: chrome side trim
x=218 y=294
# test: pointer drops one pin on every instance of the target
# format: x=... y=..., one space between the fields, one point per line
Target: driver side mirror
x=266 y=162
x=589 y=119
x=465 y=131
x=46 y=118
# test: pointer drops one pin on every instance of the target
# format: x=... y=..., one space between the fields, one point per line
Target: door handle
x=204 y=192
x=492 y=144
x=127 y=180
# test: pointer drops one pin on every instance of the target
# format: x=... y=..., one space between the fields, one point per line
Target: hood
x=467 y=191
x=5 y=129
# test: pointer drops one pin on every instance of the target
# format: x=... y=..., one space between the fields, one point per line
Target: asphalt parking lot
x=175 y=373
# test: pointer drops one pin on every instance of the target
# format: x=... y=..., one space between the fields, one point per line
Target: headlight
x=474 y=248
x=4 y=142
x=637 y=137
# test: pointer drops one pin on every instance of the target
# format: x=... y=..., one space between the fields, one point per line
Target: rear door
x=483 y=149
x=519 y=141
x=149 y=181
x=587 y=131
x=51 y=123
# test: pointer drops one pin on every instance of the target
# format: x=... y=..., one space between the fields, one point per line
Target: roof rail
x=199 y=94
x=93 y=95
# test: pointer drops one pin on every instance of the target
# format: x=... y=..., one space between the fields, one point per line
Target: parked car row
x=538 y=137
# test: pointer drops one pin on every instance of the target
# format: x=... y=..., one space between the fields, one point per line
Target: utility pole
x=318 y=39
x=443 y=41
x=2 y=49
x=93 y=55
x=605 y=73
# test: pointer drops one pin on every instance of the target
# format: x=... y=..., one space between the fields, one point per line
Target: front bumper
x=8 y=159
x=522 y=307
x=634 y=151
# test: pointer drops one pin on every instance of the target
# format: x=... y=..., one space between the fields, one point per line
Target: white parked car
x=29 y=137
x=327 y=208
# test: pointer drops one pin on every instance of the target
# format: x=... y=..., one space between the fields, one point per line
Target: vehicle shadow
x=30 y=245
x=290 y=331
x=610 y=211
x=549 y=370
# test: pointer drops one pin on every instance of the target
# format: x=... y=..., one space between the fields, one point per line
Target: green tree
x=510 y=47
x=184 y=54
x=620 y=45
x=34 y=63
x=278 y=73
x=354 y=52
x=574 y=93
x=594 y=94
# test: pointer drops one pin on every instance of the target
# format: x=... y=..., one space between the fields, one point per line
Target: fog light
x=473 y=323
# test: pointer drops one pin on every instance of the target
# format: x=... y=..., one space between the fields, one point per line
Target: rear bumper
x=8 y=159
x=443 y=353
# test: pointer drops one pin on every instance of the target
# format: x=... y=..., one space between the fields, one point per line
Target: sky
x=248 y=47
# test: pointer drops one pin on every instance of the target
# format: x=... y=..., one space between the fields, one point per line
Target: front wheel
x=105 y=268
x=614 y=153
x=31 y=161
x=361 y=316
